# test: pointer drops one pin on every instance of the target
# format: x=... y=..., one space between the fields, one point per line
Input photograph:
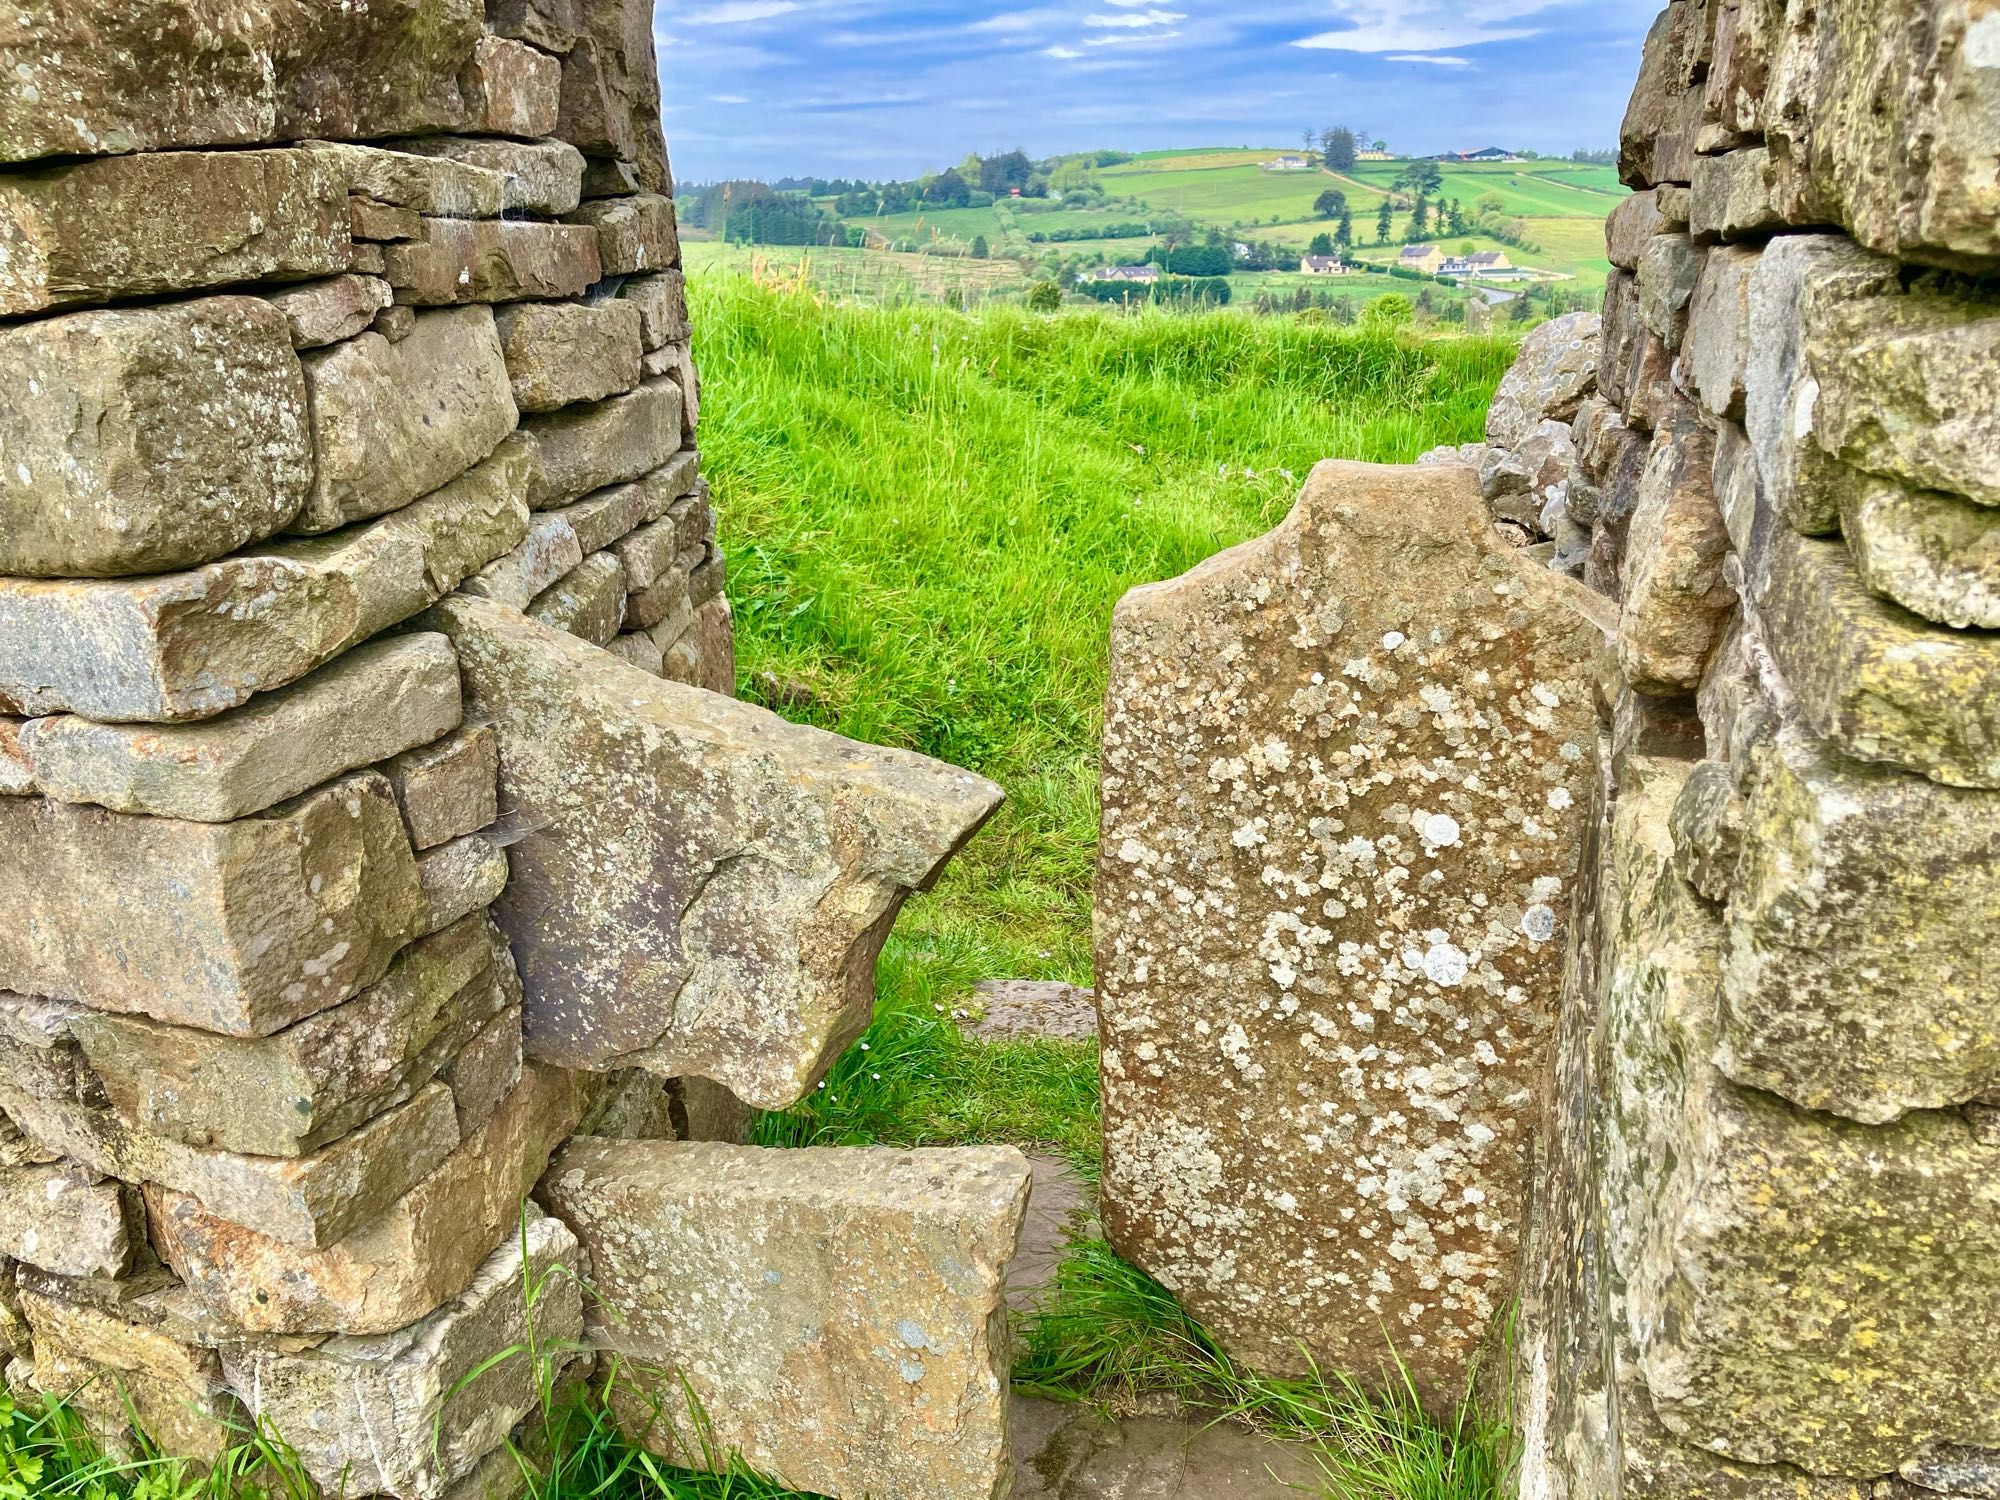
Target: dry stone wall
x=377 y=809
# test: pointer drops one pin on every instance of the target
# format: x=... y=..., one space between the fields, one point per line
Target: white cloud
x=727 y=99
x=1415 y=26
x=736 y=12
x=1143 y=18
x=1436 y=62
x=1065 y=53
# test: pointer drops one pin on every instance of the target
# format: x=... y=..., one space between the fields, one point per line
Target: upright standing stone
x=1346 y=768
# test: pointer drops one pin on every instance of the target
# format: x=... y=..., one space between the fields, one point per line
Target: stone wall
x=376 y=808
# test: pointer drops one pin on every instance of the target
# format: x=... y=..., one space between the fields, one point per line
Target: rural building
x=1144 y=275
x=1374 y=156
x=1289 y=164
x=1322 y=265
x=1485 y=263
x=1491 y=153
x=1425 y=258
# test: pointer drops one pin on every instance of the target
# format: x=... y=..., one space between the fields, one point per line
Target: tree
x=1385 y=221
x=1330 y=204
x=948 y=189
x=1390 y=310
x=1343 y=234
x=1422 y=178
x=1420 y=218
x=1340 y=146
x=1311 y=139
x=1521 y=310
x=1322 y=244
x=1044 y=296
x=1380 y=146
x=1000 y=175
x=1489 y=203
x=1454 y=217
x=980 y=249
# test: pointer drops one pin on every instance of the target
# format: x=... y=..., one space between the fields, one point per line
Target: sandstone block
x=607 y=177
x=606 y=515
x=588 y=601
x=402 y=1265
x=838 y=1314
x=144 y=439
x=410 y=1412
x=488 y=1067
x=1656 y=140
x=1936 y=555
x=1879 y=682
x=746 y=965
x=66 y=1220
x=548 y=551
x=1329 y=888
x=662 y=603
x=1620 y=334
x=611 y=91
x=1828 y=890
x=552 y=25
x=464 y=876
x=559 y=352
x=539 y=177
x=633 y=234
x=715 y=634
x=1555 y=371
x=1676 y=600
x=392 y=421
x=1718 y=343
x=383 y=222
x=491 y=260
x=1670 y=269
x=587 y=447
x=430 y=185
x=1733 y=196
x=447 y=788
x=648 y=552
x=302 y=1088
x=274 y=747
x=17 y=773
x=639 y=648
x=661 y=298
x=1630 y=225
x=326 y=312
x=682 y=369
x=512 y=88
x=95 y=231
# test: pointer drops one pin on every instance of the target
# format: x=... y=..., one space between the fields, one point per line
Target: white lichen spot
x=1445 y=965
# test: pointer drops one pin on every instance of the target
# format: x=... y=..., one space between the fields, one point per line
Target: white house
x=1322 y=265
x=1289 y=164
x=1143 y=275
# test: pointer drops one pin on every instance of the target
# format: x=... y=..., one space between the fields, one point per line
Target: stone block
x=326 y=312
x=648 y=552
x=405 y=1263
x=715 y=634
x=588 y=601
x=148 y=438
x=747 y=964
x=1630 y=225
x=302 y=1088
x=548 y=551
x=192 y=645
x=1330 y=896
x=392 y=421
x=1619 y=335
x=539 y=177
x=604 y=516
x=633 y=234
x=512 y=88
x=664 y=601
x=487 y=1068
x=607 y=442
x=1670 y=269
x=661 y=298
x=96 y=231
x=39 y=1055
x=552 y=25
x=276 y=746
x=805 y=1297
x=1707 y=829
x=422 y=182
x=560 y=352
x=1650 y=397
x=1676 y=599
x=1555 y=371
x=1656 y=140
x=639 y=648
x=382 y=222
x=69 y=1221
x=408 y=1413
x=1881 y=683
x=464 y=876
x=611 y=91
x=1936 y=555
x=1717 y=353
x=237 y=927
x=492 y=260
x=17 y=773
x=1733 y=197
x=447 y=788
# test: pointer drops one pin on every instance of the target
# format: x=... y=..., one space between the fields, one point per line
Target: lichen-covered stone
x=447 y=788
x=539 y=177
x=410 y=1412
x=395 y=420
x=662 y=302
x=1732 y=197
x=67 y=1220
x=1656 y=140
x=1881 y=683
x=137 y=226
x=604 y=516
x=492 y=260
x=1934 y=554
x=237 y=927
x=420 y=182
x=559 y=352
x=1676 y=599
x=586 y=447
x=459 y=878
x=666 y=934
x=588 y=601
x=611 y=90
x=511 y=88
x=633 y=234
x=325 y=312
x=274 y=747
x=548 y=550
x=1854 y=871
x=1718 y=343
x=1669 y=270
x=142 y=439
x=1629 y=226
x=1330 y=889
x=299 y=1089
x=836 y=1314
x=417 y=1254
x=1555 y=371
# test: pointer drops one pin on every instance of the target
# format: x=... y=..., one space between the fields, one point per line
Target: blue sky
x=887 y=88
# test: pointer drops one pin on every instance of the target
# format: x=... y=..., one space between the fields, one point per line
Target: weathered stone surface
x=68 y=1221
x=588 y=601
x=1555 y=371
x=512 y=88
x=95 y=230
x=191 y=645
x=611 y=91
x=1656 y=140
x=444 y=188
x=238 y=927
x=1718 y=344
x=143 y=439
x=447 y=788
x=490 y=260
x=639 y=648
x=118 y=1367
x=392 y=421
x=1629 y=226
x=715 y=633
x=1829 y=889
x=552 y=25
x=1936 y=555
x=836 y=1313
x=586 y=447
x=1708 y=828
x=290 y=1093
x=559 y=352
x=1328 y=896
x=402 y=1265
x=647 y=552
x=604 y=516
x=1733 y=196
x=487 y=1068
x=668 y=935
x=548 y=550
x=662 y=607
x=1669 y=270
x=276 y=746
x=541 y=177
x=1910 y=389
x=382 y=222
x=1798 y=278
x=407 y=1413
x=633 y=234
x=662 y=302
x=1676 y=600
x=459 y=878
x=17 y=773
x=325 y=312
x=1881 y=683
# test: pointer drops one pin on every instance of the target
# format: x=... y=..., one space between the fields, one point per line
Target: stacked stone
x=1766 y=1261
x=269 y=1128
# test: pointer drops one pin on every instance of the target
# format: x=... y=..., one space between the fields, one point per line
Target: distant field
x=866 y=276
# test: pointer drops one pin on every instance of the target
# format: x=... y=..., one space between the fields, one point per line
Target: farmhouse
x=1484 y=263
x=1491 y=153
x=1289 y=164
x=1322 y=265
x=1374 y=156
x=1425 y=258
x=1143 y=275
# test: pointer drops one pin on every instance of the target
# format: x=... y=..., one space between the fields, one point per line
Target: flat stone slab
x=1019 y=1009
x=1071 y=1452
x=1062 y=1208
